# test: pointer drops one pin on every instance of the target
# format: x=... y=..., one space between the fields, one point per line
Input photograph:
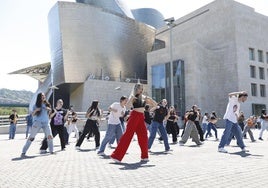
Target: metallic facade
x=117 y=6
x=149 y=16
x=87 y=41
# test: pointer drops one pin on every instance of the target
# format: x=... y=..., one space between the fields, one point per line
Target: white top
x=205 y=119
x=113 y=117
x=232 y=109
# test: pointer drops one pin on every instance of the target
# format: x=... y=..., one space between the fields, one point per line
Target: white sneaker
x=181 y=143
x=115 y=160
x=77 y=147
x=42 y=151
x=222 y=150
x=101 y=153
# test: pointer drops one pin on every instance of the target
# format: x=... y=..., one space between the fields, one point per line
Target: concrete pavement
x=185 y=166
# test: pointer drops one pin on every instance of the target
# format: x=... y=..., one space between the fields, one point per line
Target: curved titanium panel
x=149 y=16
x=112 y=5
x=90 y=41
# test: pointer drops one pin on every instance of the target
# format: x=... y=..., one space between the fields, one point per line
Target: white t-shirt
x=205 y=119
x=113 y=117
x=232 y=110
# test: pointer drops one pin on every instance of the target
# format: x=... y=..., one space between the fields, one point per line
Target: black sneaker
x=260 y=138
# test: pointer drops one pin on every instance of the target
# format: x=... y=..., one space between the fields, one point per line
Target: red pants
x=136 y=125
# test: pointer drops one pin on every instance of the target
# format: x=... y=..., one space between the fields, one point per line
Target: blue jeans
x=211 y=126
x=28 y=130
x=123 y=130
x=154 y=127
x=204 y=127
x=12 y=130
x=37 y=125
x=112 y=131
x=231 y=129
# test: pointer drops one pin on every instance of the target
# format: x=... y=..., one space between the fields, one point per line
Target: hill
x=15 y=97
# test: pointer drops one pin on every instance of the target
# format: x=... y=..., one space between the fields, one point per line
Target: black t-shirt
x=147 y=117
x=160 y=114
x=12 y=117
x=192 y=116
x=58 y=118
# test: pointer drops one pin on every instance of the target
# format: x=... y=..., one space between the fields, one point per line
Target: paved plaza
x=184 y=166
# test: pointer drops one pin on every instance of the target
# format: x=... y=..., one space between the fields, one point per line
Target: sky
x=24 y=32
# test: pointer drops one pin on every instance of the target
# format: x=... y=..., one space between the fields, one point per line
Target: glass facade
x=161 y=84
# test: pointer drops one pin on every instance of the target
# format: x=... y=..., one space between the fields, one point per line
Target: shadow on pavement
x=160 y=153
x=132 y=166
x=22 y=158
x=245 y=154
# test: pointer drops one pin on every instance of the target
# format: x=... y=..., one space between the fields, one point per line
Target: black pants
x=55 y=129
x=200 y=131
x=172 y=129
x=91 y=125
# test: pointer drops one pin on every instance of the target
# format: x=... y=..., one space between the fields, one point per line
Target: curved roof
x=38 y=72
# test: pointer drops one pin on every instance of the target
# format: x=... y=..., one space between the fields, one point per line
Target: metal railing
x=4 y=120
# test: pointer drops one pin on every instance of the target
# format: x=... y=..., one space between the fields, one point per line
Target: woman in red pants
x=135 y=124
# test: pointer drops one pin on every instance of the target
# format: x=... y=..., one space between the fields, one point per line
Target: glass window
x=254 y=89
x=159 y=82
x=266 y=57
x=260 y=56
x=262 y=90
x=252 y=71
x=261 y=73
x=257 y=108
x=251 y=54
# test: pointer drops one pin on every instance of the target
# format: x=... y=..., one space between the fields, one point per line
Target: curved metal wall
x=86 y=40
x=149 y=16
x=112 y=5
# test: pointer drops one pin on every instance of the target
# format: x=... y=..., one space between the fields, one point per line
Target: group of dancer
x=139 y=122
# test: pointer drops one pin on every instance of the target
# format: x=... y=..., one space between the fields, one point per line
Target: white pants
x=73 y=127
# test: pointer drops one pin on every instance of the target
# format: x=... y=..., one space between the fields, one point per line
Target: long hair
x=39 y=101
x=94 y=106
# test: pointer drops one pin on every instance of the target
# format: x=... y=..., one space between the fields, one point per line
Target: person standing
x=241 y=120
x=160 y=114
x=29 y=123
x=250 y=123
x=197 y=124
x=40 y=112
x=93 y=116
x=72 y=125
x=172 y=126
x=231 y=121
x=212 y=125
x=264 y=123
x=135 y=124
x=13 y=118
x=117 y=110
x=58 y=117
x=205 y=122
x=148 y=117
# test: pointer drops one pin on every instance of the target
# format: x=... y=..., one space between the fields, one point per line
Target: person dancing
x=41 y=111
x=135 y=124
x=93 y=116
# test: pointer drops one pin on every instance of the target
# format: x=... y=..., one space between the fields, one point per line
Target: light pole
x=53 y=94
x=53 y=87
x=170 y=23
